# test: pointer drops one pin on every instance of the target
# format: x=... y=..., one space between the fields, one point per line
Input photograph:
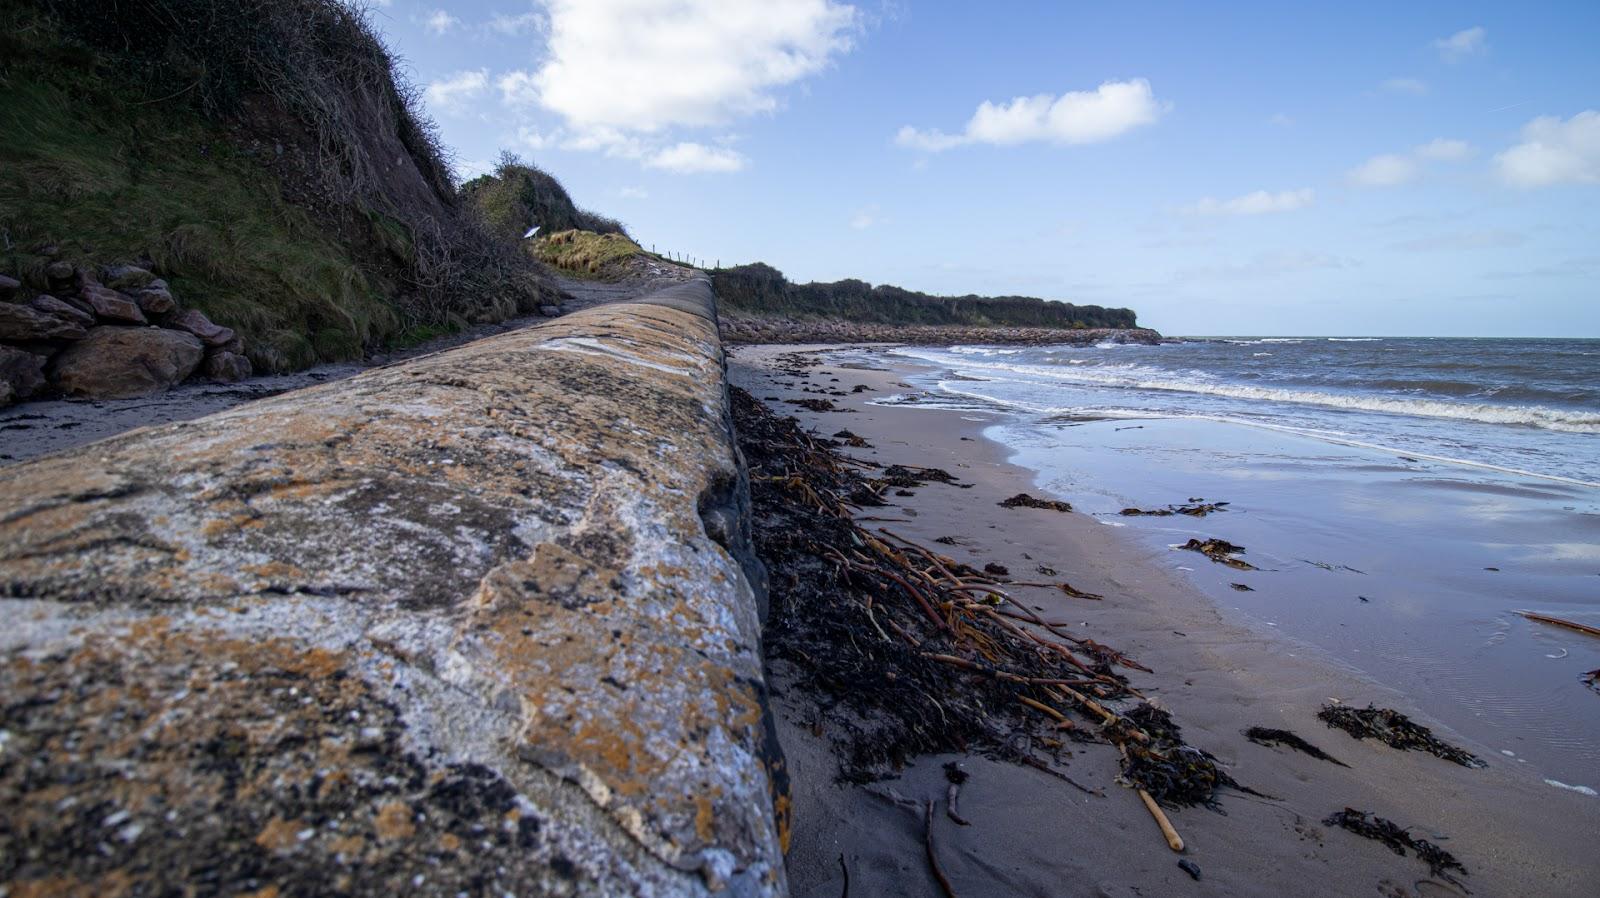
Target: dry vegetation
x=586 y=253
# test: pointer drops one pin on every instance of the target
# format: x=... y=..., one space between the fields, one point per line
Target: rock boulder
x=126 y=278
x=21 y=324
x=49 y=305
x=155 y=298
x=195 y=322
x=226 y=367
x=126 y=362
x=111 y=305
x=21 y=374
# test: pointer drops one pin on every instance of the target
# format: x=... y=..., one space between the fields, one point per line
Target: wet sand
x=1033 y=835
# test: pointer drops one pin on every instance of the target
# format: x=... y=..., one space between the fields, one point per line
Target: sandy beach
x=1217 y=674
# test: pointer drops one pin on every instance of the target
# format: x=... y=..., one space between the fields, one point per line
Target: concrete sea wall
x=483 y=623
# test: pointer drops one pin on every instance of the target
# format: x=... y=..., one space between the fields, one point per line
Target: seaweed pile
x=907 y=651
x=1170 y=770
x=1221 y=551
x=1395 y=730
x=1271 y=737
x=1197 y=508
x=1024 y=500
x=1371 y=826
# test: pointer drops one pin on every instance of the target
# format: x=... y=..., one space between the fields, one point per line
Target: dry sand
x=1034 y=835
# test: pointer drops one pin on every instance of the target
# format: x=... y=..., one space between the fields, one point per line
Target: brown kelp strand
x=909 y=652
x=1371 y=826
x=1221 y=551
x=1395 y=730
x=1271 y=737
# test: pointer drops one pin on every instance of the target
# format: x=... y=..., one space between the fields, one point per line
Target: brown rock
x=155 y=298
x=20 y=324
x=226 y=367
x=126 y=278
x=125 y=362
x=61 y=274
x=111 y=305
x=52 y=306
x=21 y=373
x=195 y=322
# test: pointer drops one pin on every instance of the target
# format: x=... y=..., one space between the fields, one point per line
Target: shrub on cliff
x=520 y=195
x=586 y=253
x=760 y=289
x=264 y=157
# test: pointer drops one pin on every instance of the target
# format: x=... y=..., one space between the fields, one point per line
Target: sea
x=1403 y=499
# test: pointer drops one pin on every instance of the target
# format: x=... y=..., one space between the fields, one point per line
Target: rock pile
x=115 y=332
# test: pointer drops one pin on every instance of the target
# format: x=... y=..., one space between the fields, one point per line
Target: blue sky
x=1271 y=168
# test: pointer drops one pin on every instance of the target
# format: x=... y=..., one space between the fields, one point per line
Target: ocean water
x=1403 y=499
x=1527 y=406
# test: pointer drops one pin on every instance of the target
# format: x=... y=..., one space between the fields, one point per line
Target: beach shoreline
x=1213 y=671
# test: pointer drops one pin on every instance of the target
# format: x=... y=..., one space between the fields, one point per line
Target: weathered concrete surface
x=473 y=624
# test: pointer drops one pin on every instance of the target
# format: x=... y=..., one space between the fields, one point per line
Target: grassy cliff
x=761 y=290
x=262 y=157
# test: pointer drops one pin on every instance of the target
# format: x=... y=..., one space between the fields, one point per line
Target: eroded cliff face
x=483 y=622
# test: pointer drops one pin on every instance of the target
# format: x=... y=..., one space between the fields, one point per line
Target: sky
x=1359 y=168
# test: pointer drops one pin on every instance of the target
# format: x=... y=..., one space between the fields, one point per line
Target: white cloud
x=1394 y=169
x=512 y=25
x=648 y=65
x=517 y=88
x=1112 y=109
x=1388 y=170
x=1464 y=43
x=1554 y=152
x=440 y=21
x=688 y=157
x=633 y=193
x=534 y=139
x=864 y=218
x=1260 y=202
x=1443 y=150
x=1281 y=120
x=452 y=94
x=1411 y=86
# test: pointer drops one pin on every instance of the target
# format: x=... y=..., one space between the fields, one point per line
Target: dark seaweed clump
x=1371 y=826
x=1395 y=730
x=892 y=677
x=1024 y=500
x=1270 y=737
x=1171 y=770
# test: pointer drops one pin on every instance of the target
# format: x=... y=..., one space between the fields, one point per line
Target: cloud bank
x=1261 y=202
x=1554 y=152
x=1076 y=117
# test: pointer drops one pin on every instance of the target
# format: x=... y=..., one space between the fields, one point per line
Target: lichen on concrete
x=485 y=622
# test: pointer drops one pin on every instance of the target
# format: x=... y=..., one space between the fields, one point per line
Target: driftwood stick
x=950 y=809
x=974 y=666
x=1570 y=625
x=933 y=860
x=1174 y=841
